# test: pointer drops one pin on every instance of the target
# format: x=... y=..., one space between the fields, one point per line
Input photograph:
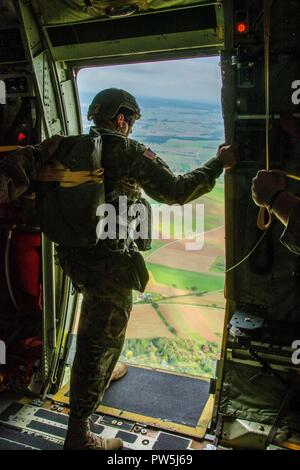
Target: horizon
x=145 y=99
x=196 y=80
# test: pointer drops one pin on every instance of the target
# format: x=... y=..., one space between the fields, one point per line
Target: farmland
x=182 y=330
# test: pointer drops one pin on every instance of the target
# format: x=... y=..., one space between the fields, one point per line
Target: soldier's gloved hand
x=265 y=185
x=227 y=156
x=49 y=146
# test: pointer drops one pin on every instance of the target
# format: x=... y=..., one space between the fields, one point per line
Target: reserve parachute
x=69 y=191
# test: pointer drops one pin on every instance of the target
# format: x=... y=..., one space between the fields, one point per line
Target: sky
x=197 y=80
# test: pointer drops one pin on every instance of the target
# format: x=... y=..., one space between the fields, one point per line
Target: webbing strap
x=9 y=148
x=68 y=178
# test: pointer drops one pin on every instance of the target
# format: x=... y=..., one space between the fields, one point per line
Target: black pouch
x=144 y=243
x=139 y=271
x=132 y=272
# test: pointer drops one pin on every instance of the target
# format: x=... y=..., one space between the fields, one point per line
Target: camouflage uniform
x=103 y=273
x=18 y=170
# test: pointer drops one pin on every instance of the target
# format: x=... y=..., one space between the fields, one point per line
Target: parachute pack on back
x=69 y=191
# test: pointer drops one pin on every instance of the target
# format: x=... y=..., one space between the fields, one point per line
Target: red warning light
x=242 y=28
x=21 y=137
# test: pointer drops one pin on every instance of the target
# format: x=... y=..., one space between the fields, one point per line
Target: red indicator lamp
x=21 y=138
x=242 y=27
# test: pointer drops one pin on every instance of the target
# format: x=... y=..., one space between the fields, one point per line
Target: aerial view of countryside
x=177 y=323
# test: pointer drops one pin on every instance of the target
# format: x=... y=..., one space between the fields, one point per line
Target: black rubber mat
x=51 y=416
x=13 y=439
x=169 y=442
x=43 y=427
x=126 y=436
x=97 y=428
x=11 y=410
x=160 y=395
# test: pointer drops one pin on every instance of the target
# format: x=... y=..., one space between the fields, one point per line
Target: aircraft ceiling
x=69 y=11
x=85 y=30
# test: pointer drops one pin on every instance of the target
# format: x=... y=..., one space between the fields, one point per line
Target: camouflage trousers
x=100 y=339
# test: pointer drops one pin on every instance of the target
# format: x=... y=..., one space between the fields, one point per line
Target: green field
x=219 y=265
x=186 y=280
x=217 y=194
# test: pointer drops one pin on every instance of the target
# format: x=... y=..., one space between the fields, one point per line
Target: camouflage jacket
x=126 y=160
x=291 y=235
x=18 y=170
x=130 y=167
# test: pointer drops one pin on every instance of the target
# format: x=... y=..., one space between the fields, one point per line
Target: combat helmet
x=107 y=103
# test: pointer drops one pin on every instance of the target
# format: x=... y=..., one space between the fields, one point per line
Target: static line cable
x=249 y=254
x=261 y=224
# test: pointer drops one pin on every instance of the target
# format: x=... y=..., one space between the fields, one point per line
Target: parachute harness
x=68 y=178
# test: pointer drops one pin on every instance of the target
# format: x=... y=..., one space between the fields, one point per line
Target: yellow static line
x=290 y=445
x=9 y=148
x=293 y=177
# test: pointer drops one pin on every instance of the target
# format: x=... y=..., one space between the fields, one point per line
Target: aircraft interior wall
x=260 y=383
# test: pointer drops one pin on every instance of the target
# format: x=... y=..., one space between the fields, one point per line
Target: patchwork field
x=174 y=254
x=213 y=299
x=145 y=323
x=191 y=321
x=186 y=280
x=177 y=323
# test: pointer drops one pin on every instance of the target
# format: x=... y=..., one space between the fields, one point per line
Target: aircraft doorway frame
x=59 y=66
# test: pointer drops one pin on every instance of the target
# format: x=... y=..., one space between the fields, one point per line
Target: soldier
x=104 y=274
x=269 y=190
x=19 y=169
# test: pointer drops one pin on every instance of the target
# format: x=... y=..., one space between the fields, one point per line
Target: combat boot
x=119 y=371
x=80 y=437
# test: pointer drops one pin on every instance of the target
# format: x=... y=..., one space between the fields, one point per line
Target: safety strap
x=68 y=178
x=57 y=173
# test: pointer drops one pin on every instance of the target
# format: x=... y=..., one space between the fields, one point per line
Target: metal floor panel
x=28 y=427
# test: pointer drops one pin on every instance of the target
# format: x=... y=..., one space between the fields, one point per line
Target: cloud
x=187 y=79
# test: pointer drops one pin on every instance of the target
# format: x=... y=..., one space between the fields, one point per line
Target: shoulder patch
x=150 y=154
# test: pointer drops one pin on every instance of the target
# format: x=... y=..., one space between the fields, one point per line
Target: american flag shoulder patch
x=150 y=154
